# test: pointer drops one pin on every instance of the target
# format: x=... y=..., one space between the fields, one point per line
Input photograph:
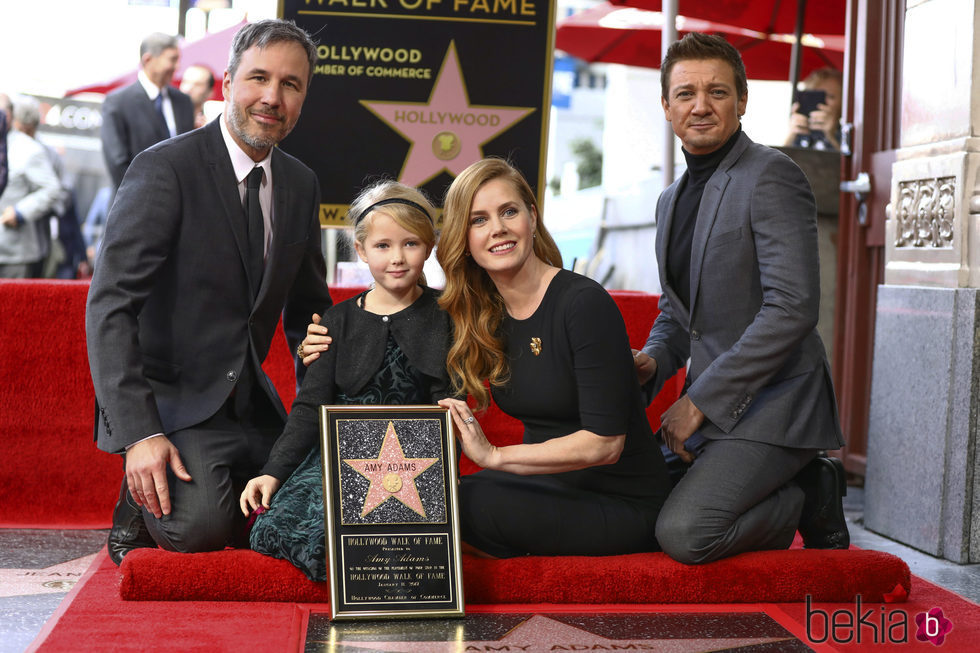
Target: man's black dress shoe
x=822 y=522
x=128 y=529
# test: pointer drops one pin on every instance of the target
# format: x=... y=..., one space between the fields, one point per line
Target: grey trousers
x=737 y=496
x=221 y=455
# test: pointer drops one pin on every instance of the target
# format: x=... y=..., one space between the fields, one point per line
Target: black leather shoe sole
x=128 y=529
x=822 y=522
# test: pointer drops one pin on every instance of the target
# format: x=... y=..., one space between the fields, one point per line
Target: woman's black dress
x=570 y=369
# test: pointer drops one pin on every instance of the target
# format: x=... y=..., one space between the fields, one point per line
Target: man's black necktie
x=256 y=228
x=255 y=231
x=158 y=105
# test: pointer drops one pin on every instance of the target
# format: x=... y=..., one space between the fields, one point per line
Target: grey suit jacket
x=34 y=190
x=130 y=124
x=170 y=314
x=758 y=370
x=3 y=151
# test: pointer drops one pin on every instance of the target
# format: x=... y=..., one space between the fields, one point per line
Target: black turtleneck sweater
x=700 y=167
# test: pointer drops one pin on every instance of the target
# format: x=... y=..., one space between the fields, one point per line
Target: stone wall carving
x=925 y=213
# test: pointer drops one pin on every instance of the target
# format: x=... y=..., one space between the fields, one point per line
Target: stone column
x=922 y=433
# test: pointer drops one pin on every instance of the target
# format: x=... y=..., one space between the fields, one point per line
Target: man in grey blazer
x=187 y=295
x=736 y=250
x=147 y=111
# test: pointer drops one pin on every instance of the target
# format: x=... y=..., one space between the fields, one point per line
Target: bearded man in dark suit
x=737 y=254
x=147 y=111
x=186 y=297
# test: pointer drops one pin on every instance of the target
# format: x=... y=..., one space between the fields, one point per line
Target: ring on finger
x=299 y=350
x=468 y=420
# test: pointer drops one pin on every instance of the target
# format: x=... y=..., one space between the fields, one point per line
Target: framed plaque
x=391 y=512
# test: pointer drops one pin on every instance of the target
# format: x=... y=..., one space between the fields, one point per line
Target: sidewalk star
x=541 y=634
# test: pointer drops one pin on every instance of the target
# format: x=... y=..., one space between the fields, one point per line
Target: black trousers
x=507 y=515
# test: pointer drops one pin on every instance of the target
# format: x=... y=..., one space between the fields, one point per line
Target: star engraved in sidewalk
x=55 y=579
x=447 y=132
x=391 y=474
x=541 y=634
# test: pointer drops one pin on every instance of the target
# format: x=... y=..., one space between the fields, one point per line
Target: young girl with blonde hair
x=389 y=347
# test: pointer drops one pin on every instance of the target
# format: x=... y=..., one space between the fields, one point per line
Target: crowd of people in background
x=40 y=234
x=64 y=238
x=45 y=233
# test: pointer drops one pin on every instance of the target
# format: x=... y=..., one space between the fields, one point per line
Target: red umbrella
x=772 y=17
x=628 y=35
x=210 y=50
x=768 y=16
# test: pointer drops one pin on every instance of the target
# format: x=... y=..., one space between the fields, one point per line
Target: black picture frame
x=391 y=512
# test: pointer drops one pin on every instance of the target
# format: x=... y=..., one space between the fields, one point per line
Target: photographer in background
x=815 y=122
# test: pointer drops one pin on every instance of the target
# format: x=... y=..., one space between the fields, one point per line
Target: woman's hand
x=315 y=342
x=570 y=452
x=258 y=492
x=470 y=435
x=799 y=125
x=821 y=119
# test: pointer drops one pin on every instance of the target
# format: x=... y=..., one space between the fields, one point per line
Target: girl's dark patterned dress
x=292 y=528
x=392 y=359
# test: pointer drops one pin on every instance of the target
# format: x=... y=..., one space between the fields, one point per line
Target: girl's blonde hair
x=407 y=206
x=470 y=298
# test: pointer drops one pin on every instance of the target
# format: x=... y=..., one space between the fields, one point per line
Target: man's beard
x=238 y=121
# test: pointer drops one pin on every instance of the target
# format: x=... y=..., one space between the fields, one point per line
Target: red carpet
x=772 y=576
x=95 y=618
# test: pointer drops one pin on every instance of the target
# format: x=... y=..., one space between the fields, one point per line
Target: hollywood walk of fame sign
x=417 y=90
x=391 y=512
